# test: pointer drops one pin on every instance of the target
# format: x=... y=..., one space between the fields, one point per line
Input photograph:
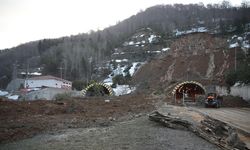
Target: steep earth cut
x=199 y=56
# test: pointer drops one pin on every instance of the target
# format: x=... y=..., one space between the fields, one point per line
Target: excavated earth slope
x=200 y=56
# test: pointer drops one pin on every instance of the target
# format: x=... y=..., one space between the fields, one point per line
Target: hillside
x=76 y=56
x=199 y=56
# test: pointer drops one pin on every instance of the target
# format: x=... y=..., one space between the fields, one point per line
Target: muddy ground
x=90 y=123
x=19 y=120
x=136 y=134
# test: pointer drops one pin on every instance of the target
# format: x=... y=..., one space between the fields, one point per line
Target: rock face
x=199 y=56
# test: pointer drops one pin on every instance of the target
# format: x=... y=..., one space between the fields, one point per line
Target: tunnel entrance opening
x=98 y=89
x=188 y=91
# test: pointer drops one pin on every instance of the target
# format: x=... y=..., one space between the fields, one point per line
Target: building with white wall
x=47 y=81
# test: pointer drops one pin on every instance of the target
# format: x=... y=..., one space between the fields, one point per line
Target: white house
x=47 y=81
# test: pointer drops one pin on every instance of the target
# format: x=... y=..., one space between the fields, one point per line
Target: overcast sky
x=22 y=21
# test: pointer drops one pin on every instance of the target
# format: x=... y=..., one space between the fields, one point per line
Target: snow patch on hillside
x=193 y=30
x=135 y=67
x=165 y=49
x=145 y=36
x=120 y=70
x=13 y=97
x=121 y=60
x=32 y=73
x=241 y=41
x=3 y=93
x=8 y=95
x=123 y=90
x=151 y=38
x=234 y=45
x=131 y=43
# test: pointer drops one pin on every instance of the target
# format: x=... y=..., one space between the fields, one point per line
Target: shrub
x=113 y=85
x=242 y=74
x=231 y=78
x=78 y=85
x=119 y=79
x=62 y=96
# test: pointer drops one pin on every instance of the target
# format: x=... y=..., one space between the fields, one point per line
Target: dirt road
x=237 y=117
x=139 y=134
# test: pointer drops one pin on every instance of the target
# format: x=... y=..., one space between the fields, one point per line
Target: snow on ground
x=237 y=84
x=120 y=70
x=178 y=33
x=240 y=38
x=151 y=38
x=201 y=22
x=117 y=71
x=36 y=73
x=193 y=30
x=3 y=93
x=33 y=89
x=153 y=51
x=235 y=36
x=234 y=45
x=135 y=66
x=131 y=43
x=32 y=73
x=122 y=60
x=245 y=44
x=123 y=90
x=9 y=96
x=202 y=29
x=108 y=80
x=239 y=41
x=165 y=49
x=125 y=44
x=13 y=97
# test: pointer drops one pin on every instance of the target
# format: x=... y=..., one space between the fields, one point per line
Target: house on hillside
x=47 y=81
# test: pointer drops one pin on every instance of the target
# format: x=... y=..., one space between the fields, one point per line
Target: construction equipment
x=213 y=100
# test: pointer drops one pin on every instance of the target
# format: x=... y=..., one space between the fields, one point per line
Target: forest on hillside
x=77 y=55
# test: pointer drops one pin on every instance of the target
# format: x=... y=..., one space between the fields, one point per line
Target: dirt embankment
x=20 y=120
x=201 y=57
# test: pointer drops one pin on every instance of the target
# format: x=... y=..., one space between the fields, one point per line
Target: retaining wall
x=241 y=91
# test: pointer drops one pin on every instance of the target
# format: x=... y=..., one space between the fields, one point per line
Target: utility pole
x=239 y=43
x=27 y=69
x=188 y=70
x=175 y=98
x=61 y=71
x=90 y=61
x=183 y=97
x=14 y=73
x=235 y=59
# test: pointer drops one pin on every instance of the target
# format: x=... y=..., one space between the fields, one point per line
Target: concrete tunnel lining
x=189 y=88
x=107 y=89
